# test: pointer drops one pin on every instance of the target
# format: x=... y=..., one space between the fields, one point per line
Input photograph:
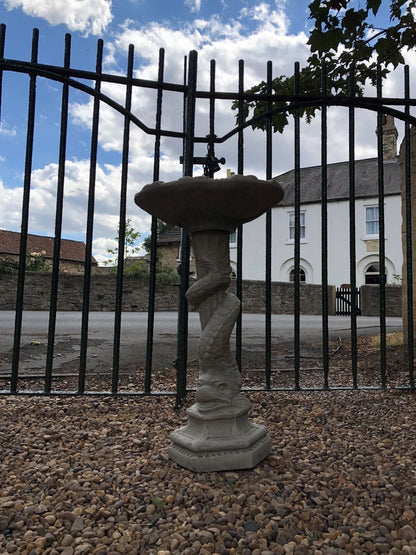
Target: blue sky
x=225 y=30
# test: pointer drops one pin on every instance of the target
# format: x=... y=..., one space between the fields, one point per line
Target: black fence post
x=181 y=362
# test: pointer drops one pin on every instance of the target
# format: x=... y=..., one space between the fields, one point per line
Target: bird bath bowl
x=218 y=435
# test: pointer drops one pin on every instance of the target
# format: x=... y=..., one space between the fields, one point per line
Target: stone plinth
x=219 y=441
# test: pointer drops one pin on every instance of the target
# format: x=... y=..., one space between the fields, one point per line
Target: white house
x=366 y=228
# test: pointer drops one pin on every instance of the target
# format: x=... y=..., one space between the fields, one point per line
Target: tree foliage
x=130 y=247
x=139 y=269
x=345 y=33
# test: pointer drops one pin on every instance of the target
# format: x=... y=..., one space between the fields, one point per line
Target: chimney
x=389 y=138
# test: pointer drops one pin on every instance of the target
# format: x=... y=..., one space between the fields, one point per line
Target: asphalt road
x=134 y=335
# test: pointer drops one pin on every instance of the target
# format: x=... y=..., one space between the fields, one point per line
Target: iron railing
x=188 y=137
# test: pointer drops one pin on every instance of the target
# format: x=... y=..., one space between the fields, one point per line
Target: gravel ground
x=82 y=475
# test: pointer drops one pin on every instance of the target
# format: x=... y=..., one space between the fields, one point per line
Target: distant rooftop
x=70 y=250
x=338 y=178
x=171 y=236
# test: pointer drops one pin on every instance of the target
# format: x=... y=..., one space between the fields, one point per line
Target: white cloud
x=101 y=245
x=266 y=17
x=43 y=200
x=86 y=16
x=227 y=43
x=6 y=130
x=10 y=207
x=194 y=5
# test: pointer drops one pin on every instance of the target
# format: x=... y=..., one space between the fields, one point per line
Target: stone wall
x=370 y=304
x=70 y=293
x=135 y=294
x=254 y=298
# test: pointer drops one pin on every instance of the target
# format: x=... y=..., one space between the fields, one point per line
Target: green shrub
x=138 y=269
x=166 y=276
x=36 y=262
x=8 y=266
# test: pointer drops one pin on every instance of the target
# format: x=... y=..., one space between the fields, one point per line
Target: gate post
x=332 y=300
x=407 y=159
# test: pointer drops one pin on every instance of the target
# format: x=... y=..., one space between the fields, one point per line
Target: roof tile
x=70 y=250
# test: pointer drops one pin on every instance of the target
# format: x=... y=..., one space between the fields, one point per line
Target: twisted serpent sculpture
x=219 y=380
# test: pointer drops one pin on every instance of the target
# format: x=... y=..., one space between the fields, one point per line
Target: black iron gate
x=191 y=135
x=346 y=300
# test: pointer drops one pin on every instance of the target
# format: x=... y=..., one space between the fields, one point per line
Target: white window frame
x=372 y=221
x=302 y=273
x=302 y=222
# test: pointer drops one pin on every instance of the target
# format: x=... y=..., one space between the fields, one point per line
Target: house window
x=302 y=275
x=292 y=225
x=371 y=220
x=372 y=275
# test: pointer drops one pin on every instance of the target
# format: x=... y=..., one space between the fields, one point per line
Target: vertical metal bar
x=25 y=216
x=122 y=225
x=324 y=227
x=381 y=236
x=297 y=234
x=190 y=113
x=353 y=271
x=212 y=99
x=153 y=244
x=152 y=295
x=240 y=170
x=182 y=345
x=2 y=45
x=58 y=220
x=409 y=232
x=268 y=276
x=90 y=223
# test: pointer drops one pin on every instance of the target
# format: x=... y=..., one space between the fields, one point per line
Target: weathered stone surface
x=204 y=204
x=218 y=435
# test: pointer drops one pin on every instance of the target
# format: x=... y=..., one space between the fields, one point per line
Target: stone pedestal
x=218 y=435
x=223 y=441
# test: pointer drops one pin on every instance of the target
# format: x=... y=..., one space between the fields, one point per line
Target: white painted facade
x=367 y=245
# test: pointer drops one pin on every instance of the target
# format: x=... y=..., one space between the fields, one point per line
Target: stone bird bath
x=218 y=435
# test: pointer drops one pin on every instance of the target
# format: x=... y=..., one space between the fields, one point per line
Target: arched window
x=372 y=275
x=302 y=275
x=287 y=271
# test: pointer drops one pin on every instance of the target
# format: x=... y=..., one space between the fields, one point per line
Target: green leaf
x=382 y=47
x=353 y=21
x=373 y=5
x=396 y=8
x=341 y=36
x=409 y=38
x=323 y=42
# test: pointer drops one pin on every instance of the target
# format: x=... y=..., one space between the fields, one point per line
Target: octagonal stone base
x=224 y=440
